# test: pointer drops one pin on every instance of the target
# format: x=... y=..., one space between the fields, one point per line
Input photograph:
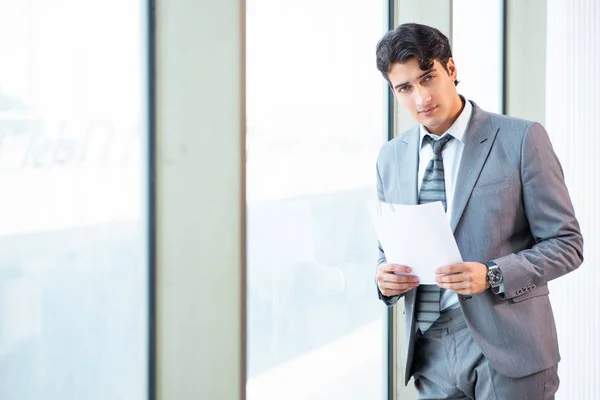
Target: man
x=486 y=330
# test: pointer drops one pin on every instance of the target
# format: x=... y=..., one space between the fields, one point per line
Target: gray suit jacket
x=511 y=206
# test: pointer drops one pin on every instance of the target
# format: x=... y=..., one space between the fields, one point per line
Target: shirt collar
x=458 y=128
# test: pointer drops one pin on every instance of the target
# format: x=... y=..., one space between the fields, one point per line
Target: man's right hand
x=391 y=284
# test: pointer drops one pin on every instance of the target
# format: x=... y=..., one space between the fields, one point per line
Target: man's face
x=430 y=96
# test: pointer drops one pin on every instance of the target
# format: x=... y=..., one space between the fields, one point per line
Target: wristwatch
x=494 y=275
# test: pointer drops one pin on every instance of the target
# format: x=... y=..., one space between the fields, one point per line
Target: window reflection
x=73 y=226
x=315 y=109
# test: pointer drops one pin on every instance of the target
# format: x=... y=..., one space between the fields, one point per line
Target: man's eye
x=403 y=89
x=428 y=78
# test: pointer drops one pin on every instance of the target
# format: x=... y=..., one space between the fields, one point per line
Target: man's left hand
x=463 y=278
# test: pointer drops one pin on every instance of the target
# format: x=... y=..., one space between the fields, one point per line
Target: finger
x=463 y=287
x=391 y=277
x=395 y=285
x=395 y=268
x=451 y=269
x=395 y=288
x=452 y=278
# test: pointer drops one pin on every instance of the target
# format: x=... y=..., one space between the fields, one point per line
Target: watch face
x=495 y=276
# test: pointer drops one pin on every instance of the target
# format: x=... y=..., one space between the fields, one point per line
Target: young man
x=486 y=330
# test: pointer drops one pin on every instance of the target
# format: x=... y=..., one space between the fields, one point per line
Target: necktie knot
x=438 y=145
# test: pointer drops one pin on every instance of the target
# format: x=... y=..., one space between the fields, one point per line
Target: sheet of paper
x=418 y=236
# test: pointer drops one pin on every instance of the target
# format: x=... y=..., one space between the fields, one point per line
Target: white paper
x=418 y=236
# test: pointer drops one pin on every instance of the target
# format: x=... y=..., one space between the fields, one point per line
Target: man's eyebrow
x=398 y=86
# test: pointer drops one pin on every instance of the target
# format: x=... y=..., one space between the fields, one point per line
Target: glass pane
x=73 y=225
x=477 y=40
x=316 y=108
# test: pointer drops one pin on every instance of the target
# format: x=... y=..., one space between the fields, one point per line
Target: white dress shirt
x=451 y=155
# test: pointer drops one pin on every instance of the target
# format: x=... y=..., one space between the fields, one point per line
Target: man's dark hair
x=408 y=41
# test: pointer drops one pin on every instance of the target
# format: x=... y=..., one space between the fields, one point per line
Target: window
x=73 y=211
x=477 y=47
x=316 y=112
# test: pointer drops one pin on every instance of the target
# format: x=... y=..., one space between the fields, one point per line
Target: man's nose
x=423 y=97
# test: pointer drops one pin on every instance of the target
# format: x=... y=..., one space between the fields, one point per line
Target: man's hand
x=463 y=278
x=391 y=284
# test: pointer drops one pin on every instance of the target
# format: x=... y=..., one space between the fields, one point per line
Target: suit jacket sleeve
x=558 y=245
x=388 y=300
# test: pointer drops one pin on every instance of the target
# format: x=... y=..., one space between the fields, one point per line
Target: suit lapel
x=407 y=159
x=479 y=138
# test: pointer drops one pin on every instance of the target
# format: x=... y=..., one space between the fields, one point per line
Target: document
x=418 y=236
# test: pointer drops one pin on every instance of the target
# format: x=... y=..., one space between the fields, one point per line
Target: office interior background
x=184 y=184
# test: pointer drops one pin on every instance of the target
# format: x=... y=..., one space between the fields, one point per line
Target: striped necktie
x=433 y=188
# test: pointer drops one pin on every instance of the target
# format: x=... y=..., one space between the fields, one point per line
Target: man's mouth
x=428 y=111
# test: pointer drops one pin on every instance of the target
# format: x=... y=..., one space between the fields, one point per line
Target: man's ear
x=451 y=67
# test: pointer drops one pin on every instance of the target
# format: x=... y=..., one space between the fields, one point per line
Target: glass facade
x=316 y=118
x=73 y=209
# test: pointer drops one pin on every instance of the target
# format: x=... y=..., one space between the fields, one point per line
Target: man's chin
x=430 y=123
